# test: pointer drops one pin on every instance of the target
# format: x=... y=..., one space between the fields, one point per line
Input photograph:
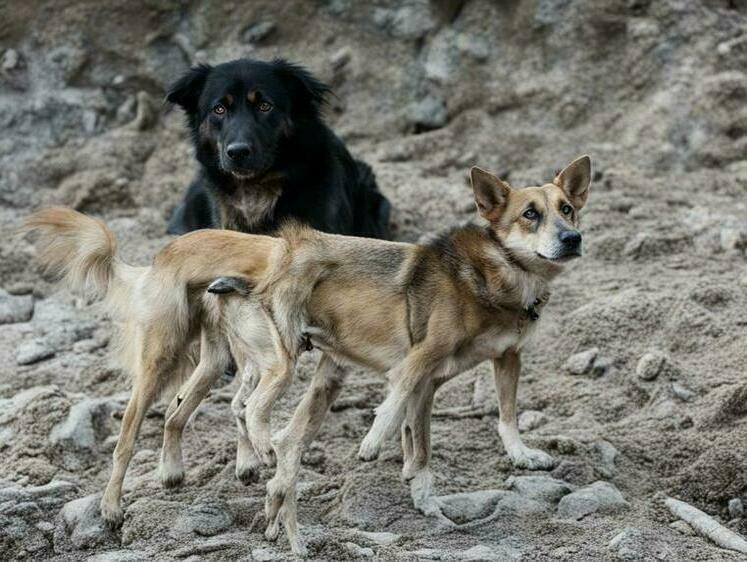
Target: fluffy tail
x=82 y=252
x=77 y=249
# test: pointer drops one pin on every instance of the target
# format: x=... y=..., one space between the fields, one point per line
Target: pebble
x=427 y=114
x=205 y=519
x=382 y=538
x=541 y=488
x=340 y=58
x=581 y=363
x=258 y=32
x=14 y=308
x=599 y=497
x=468 y=506
x=683 y=393
x=11 y=58
x=359 y=551
x=33 y=351
x=531 y=419
x=77 y=430
x=408 y=21
x=264 y=555
x=736 y=508
x=650 y=365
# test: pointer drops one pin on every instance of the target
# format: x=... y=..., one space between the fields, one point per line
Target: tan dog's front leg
x=506 y=370
x=280 y=502
x=247 y=462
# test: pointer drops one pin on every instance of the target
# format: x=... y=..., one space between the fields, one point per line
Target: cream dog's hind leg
x=280 y=502
x=214 y=359
x=247 y=462
x=506 y=371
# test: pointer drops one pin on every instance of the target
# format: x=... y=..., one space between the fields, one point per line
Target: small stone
x=409 y=21
x=258 y=32
x=77 y=430
x=736 y=508
x=683 y=528
x=581 y=363
x=468 y=506
x=650 y=365
x=10 y=61
x=340 y=58
x=733 y=239
x=382 y=538
x=264 y=555
x=683 y=393
x=541 y=488
x=531 y=419
x=205 y=519
x=484 y=552
x=359 y=551
x=33 y=351
x=82 y=522
x=427 y=114
x=146 y=115
x=14 y=308
x=601 y=366
x=90 y=118
x=475 y=47
x=599 y=497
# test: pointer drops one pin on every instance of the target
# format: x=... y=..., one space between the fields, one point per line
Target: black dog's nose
x=571 y=239
x=238 y=150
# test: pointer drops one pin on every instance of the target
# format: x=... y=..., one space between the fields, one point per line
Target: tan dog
x=420 y=313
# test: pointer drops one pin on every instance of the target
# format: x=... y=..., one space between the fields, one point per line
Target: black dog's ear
x=187 y=90
x=309 y=93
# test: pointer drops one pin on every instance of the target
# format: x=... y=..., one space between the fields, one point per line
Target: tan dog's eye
x=265 y=106
x=566 y=209
x=531 y=214
x=219 y=109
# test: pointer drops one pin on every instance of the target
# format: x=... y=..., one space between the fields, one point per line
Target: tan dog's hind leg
x=280 y=503
x=275 y=369
x=416 y=431
x=506 y=371
x=247 y=462
x=146 y=384
x=214 y=359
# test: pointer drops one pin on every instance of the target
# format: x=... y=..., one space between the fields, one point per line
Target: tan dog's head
x=538 y=225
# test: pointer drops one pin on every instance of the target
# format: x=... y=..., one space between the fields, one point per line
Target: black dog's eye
x=531 y=214
x=219 y=109
x=265 y=106
x=566 y=209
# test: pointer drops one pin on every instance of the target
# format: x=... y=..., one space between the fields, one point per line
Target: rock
x=427 y=114
x=468 y=506
x=531 y=419
x=473 y=46
x=650 y=365
x=540 y=488
x=264 y=555
x=340 y=58
x=484 y=552
x=736 y=508
x=410 y=21
x=15 y=308
x=146 y=115
x=258 y=32
x=607 y=454
x=383 y=538
x=633 y=545
x=81 y=522
x=683 y=393
x=33 y=351
x=581 y=363
x=10 y=408
x=119 y=556
x=205 y=519
x=77 y=430
x=599 y=497
x=359 y=551
x=683 y=528
x=10 y=60
x=733 y=239
x=203 y=547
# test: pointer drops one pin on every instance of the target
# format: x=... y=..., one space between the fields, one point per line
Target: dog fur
x=421 y=314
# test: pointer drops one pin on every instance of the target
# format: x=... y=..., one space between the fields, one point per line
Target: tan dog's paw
x=172 y=478
x=532 y=459
x=112 y=514
x=247 y=474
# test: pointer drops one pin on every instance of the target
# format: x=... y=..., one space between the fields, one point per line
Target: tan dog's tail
x=79 y=250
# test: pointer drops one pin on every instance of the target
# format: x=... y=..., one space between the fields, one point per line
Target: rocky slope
x=636 y=383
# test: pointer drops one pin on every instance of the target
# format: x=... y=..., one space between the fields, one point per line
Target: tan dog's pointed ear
x=574 y=180
x=491 y=194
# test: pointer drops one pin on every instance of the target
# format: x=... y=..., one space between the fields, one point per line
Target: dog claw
x=248 y=475
x=532 y=459
x=369 y=450
x=112 y=516
x=173 y=480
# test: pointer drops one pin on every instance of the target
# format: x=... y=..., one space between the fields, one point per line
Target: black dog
x=265 y=155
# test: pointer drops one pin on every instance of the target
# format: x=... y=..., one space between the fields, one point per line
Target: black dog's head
x=241 y=112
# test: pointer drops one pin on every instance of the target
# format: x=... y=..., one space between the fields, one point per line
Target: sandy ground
x=656 y=404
